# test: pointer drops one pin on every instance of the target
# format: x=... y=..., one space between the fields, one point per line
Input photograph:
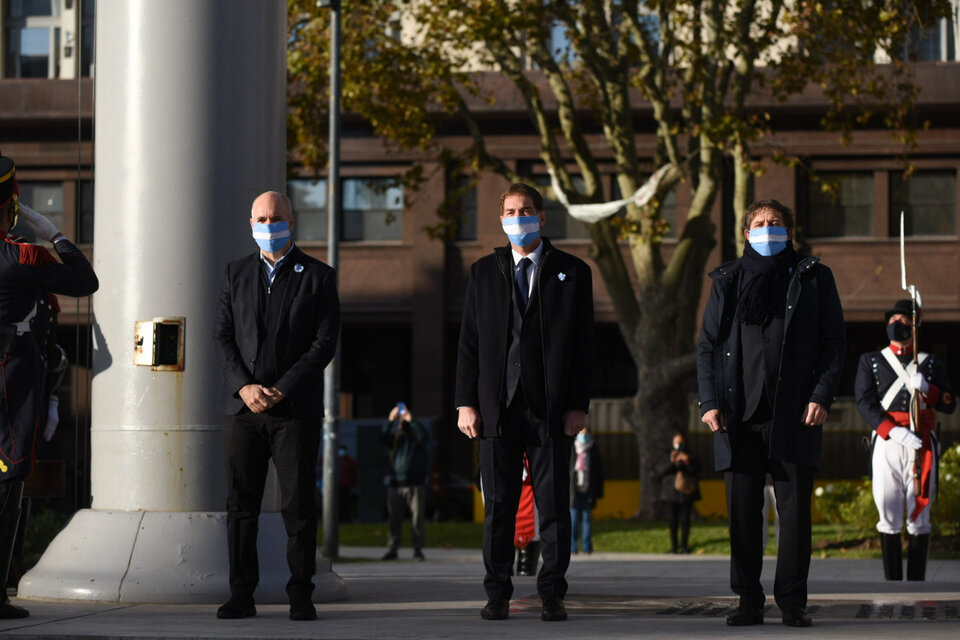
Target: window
x=372 y=209
x=309 y=200
x=841 y=204
x=928 y=200
x=934 y=43
x=85 y=221
x=45 y=38
x=561 y=49
x=45 y=198
x=87 y=16
x=32 y=38
x=465 y=208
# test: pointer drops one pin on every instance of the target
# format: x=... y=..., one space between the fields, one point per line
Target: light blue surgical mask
x=271 y=237
x=769 y=241
x=522 y=230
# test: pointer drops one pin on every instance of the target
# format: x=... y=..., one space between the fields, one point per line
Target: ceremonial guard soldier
x=27 y=273
x=904 y=458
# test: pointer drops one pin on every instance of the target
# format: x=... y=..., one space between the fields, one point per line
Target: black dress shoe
x=745 y=615
x=796 y=617
x=237 y=608
x=303 y=611
x=390 y=555
x=9 y=611
x=418 y=555
x=553 y=610
x=497 y=608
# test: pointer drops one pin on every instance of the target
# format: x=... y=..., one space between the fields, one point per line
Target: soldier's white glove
x=905 y=438
x=918 y=382
x=40 y=226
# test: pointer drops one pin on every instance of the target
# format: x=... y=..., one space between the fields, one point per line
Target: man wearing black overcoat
x=770 y=355
x=523 y=386
x=277 y=324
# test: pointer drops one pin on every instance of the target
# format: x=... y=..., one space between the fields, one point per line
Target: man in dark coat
x=27 y=273
x=769 y=360
x=276 y=329
x=523 y=386
x=904 y=460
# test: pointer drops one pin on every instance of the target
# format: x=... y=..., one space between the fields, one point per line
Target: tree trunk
x=655 y=422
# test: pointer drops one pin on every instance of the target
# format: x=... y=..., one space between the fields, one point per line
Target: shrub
x=848 y=503
x=946 y=505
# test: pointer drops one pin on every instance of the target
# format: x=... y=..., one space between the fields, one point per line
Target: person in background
x=526 y=538
x=586 y=487
x=679 y=488
x=408 y=445
x=348 y=485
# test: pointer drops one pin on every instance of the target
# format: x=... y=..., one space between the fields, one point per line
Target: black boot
x=892 y=547
x=9 y=517
x=917 y=557
x=528 y=559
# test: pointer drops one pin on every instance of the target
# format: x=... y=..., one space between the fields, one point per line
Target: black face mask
x=899 y=332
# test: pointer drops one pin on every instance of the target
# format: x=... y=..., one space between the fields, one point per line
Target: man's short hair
x=522 y=189
x=774 y=205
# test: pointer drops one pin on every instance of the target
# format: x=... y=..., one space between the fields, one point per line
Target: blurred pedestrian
x=408 y=444
x=679 y=488
x=586 y=487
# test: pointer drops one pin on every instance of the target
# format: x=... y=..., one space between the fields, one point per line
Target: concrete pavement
x=610 y=596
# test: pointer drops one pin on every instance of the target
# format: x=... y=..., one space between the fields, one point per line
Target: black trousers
x=793 y=486
x=250 y=441
x=680 y=518
x=501 y=472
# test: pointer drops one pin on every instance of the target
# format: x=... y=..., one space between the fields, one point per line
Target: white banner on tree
x=598 y=211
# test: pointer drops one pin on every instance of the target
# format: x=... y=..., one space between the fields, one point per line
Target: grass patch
x=707 y=537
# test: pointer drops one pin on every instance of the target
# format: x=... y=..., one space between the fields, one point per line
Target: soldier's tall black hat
x=905 y=307
x=8 y=179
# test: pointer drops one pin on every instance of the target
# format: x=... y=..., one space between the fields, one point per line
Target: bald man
x=276 y=329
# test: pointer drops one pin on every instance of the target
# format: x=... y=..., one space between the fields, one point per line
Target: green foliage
x=848 y=505
x=42 y=527
x=707 y=537
x=946 y=505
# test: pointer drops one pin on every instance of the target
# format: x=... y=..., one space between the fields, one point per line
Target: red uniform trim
x=34 y=256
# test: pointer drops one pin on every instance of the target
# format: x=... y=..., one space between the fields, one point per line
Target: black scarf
x=765 y=285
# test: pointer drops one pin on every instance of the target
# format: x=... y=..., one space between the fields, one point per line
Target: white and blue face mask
x=522 y=230
x=271 y=237
x=769 y=241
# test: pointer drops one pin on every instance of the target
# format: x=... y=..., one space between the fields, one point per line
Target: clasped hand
x=259 y=398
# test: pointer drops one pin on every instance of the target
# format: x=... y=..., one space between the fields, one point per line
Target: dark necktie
x=523 y=281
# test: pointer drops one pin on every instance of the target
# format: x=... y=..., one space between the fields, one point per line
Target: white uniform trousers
x=893 y=488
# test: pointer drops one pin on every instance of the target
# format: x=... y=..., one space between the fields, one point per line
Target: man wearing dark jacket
x=769 y=360
x=523 y=386
x=276 y=329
